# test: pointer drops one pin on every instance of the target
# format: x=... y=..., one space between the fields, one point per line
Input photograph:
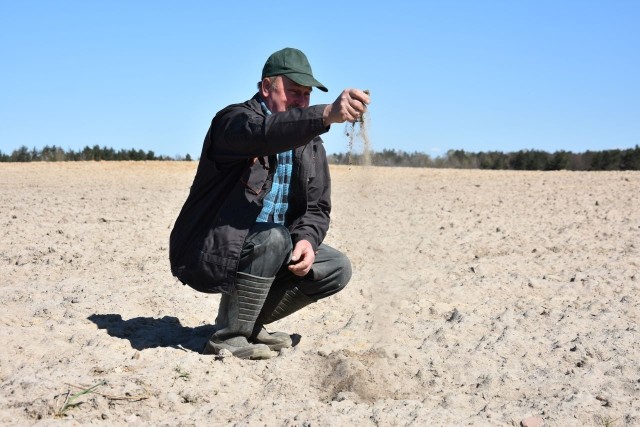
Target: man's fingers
x=301 y=268
x=349 y=106
x=298 y=252
x=302 y=258
x=353 y=113
x=360 y=96
x=358 y=102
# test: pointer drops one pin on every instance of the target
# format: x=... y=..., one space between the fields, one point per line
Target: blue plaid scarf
x=276 y=202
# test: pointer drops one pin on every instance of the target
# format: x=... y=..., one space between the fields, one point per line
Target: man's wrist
x=325 y=115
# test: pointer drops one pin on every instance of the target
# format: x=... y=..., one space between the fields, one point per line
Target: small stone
x=535 y=421
x=131 y=419
x=346 y=395
x=224 y=353
x=605 y=401
x=284 y=351
x=454 y=316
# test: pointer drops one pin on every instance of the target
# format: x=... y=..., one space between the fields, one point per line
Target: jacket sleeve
x=241 y=131
x=314 y=223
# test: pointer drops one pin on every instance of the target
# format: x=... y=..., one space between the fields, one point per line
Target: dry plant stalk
x=70 y=399
x=134 y=398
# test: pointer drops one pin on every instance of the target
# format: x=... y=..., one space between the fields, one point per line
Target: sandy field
x=478 y=298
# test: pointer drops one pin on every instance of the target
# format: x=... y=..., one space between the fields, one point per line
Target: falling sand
x=358 y=134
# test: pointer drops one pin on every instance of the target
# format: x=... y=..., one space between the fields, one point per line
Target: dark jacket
x=235 y=172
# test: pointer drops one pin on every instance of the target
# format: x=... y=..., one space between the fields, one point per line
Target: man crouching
x=253 y=224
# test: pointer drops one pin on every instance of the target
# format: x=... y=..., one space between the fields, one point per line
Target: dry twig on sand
x=70 y=399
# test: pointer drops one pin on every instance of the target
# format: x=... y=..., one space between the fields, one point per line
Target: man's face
x=283 y=94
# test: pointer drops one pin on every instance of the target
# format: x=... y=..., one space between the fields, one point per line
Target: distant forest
x=95 y=153
x=628 y=159
x=520 y=160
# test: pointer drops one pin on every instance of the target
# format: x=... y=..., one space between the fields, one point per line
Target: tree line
x=96 y=153
x=617 y=159
x=628 y=159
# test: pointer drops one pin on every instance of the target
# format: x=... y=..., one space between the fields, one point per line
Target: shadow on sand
x=148 y=332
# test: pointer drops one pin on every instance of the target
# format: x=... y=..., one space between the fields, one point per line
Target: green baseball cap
x=292 y=63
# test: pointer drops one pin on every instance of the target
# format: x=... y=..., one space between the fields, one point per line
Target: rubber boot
x=237 y=316
x=276 y=341
x=279 y=304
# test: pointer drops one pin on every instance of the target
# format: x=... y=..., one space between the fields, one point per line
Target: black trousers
x=267 y=252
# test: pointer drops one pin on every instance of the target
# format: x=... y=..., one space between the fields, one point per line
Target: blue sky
x=471 y=75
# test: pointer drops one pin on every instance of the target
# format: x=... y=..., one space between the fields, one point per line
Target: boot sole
x=253 y=352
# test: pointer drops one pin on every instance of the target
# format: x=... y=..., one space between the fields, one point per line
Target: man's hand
x=302 y=258
x=349 y=106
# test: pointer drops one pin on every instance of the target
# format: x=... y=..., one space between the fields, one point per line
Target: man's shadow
x=149 y=332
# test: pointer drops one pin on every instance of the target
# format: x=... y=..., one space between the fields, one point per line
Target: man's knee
x=266 y=248
x=277 y=239
x=267 y=237
x=329 y=276
x=343 y=271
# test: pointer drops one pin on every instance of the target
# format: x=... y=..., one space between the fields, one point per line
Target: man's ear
x=265 y=86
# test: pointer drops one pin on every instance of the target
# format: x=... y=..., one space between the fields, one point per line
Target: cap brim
x=306 y=80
